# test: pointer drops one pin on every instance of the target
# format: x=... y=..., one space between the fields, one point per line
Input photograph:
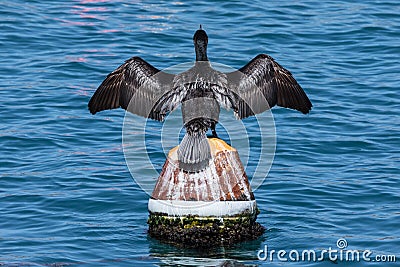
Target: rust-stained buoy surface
x=209 y=208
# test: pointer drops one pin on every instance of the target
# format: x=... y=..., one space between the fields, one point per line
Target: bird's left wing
x=135 y=86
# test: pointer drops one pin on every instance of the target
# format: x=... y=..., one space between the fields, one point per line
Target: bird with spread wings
x=144 y=90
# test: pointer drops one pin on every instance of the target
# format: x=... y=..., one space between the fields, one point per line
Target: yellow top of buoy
x=216 y=146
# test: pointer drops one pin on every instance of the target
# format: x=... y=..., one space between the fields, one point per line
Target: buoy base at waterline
x=214 y=207
x=197 y=232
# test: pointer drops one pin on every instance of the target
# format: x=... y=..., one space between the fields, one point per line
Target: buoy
x=209 y=208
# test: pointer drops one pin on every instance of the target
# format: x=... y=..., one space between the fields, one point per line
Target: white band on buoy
x=202 y=208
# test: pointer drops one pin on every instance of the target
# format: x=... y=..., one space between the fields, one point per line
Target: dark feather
x=135 y=86
x=263 y=76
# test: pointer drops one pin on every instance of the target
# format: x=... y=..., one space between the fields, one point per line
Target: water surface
x=66 y=193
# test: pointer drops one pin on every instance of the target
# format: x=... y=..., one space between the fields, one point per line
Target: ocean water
x=67 y=196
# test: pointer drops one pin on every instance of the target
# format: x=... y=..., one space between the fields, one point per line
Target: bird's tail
x=194 y=152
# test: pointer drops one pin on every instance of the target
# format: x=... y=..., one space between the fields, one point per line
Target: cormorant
x=144 y=90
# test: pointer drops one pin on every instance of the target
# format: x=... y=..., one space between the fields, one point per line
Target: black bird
x=144 y=90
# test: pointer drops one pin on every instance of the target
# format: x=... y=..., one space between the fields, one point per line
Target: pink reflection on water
x=94 y=50
x=82 y=91
x=111 y=149
x=87 y=12
x=94 y=1
x=75 y=23
x=76 y=59
x=90 y=9
x=109 y=30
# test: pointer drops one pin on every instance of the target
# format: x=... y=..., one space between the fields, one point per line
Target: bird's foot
x=214 y=134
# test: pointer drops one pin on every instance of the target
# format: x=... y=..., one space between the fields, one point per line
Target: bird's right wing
x=135 y=86
x=263 y=83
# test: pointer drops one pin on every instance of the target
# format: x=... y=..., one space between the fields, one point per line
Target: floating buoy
x=209 y=208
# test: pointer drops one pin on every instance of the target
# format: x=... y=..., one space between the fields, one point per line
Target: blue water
x=66 y=194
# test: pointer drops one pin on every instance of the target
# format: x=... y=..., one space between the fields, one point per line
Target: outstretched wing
x=135 y=86
x=263 y=83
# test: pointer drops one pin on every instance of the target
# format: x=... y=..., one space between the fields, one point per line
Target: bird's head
x=200 y=41
x=200 y=37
